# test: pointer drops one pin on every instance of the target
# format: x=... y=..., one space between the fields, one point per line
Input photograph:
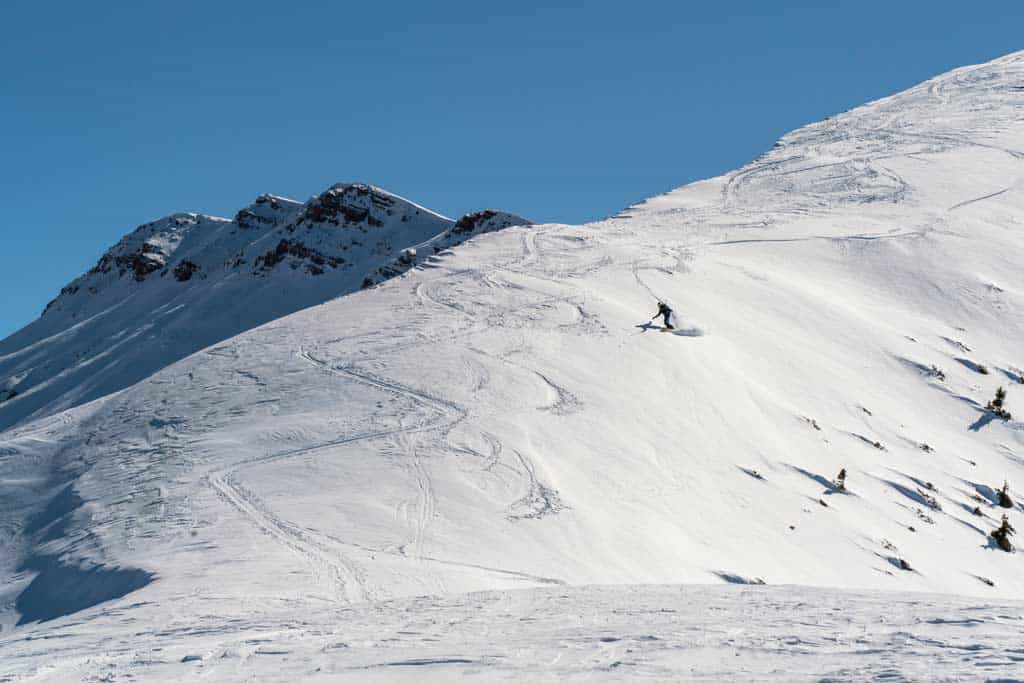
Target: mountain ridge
x=351 y=236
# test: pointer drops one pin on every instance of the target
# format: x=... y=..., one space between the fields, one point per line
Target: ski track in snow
x=343 y=572
x=345 y=575
x=980 y=199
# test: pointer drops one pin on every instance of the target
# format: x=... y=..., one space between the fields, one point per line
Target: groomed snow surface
x=493 y=465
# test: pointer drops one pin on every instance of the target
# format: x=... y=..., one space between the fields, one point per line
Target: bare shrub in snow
x=930 y=500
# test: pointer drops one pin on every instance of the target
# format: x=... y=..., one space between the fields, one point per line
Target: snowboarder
x=664 y=310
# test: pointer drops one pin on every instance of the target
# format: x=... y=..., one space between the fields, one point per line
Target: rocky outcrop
x=184 y=271
x=314 y=261
x=267 y=210
x=148 y=259
x=486 y=221
x=348 y=204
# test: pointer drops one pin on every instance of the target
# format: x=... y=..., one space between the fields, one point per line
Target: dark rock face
x=144 y=263
x=315 y=260
x=471 y=221
x=485 y=221
x=247 y=219
x=348 y=204
x=141 y=264
x=266 y=205
x=184 y=271
x=70 y=290
x=7 y=394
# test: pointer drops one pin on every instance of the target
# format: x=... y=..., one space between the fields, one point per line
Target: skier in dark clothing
x=664 y=310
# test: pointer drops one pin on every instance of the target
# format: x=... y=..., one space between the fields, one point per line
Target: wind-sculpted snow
x=505 y=415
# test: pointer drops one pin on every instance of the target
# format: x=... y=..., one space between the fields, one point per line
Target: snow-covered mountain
x=184 y=282
x=507 y=417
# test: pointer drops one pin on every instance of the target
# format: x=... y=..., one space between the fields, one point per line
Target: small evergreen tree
x=840 y=482
x=1002 y=535
x=1000 y=397
x=997 y=405
x=1004 y=496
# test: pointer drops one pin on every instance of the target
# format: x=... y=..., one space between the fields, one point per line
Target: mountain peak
x=188 y=280
x=358 y=203
x=267 y=209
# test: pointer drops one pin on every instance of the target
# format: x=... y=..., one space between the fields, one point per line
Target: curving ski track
x=343 y=576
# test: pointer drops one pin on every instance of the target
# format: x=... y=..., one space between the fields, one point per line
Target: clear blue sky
x=115 y=113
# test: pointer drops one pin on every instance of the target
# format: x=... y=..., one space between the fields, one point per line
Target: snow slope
x=525 y=426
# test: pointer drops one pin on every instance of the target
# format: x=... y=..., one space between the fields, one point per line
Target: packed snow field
x=330 y=491
x=591 y=633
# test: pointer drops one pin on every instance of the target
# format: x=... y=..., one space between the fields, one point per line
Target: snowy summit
x=355 y=439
